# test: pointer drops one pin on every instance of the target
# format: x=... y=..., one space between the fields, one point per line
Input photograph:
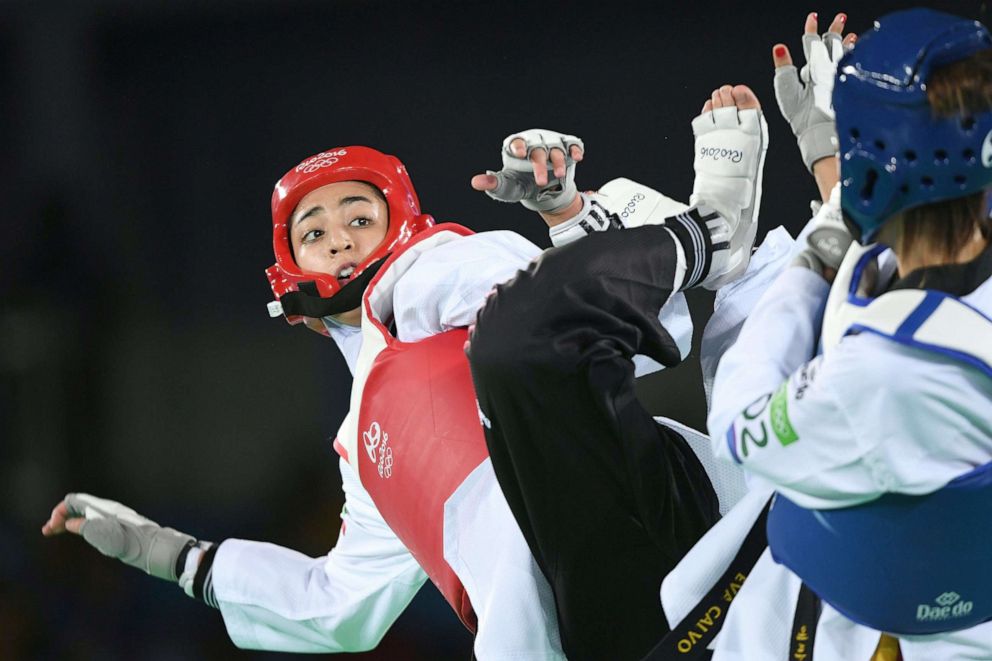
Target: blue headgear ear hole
x=868 y=189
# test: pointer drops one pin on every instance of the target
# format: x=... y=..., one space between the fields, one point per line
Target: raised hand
x=538 y=171
x=804 y=96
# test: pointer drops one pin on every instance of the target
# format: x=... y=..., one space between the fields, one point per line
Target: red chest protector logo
x=418 y=436
x=377 y=447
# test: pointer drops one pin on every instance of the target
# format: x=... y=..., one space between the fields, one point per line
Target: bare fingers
x=56 y=523
x=781 y=57
x=484 y=182
x=518 y=147
x=539 y=160
x=837 y=25
x=558 y=162
x=539 y=157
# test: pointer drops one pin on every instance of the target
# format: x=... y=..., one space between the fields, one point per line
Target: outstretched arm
x=271 y=598
x=119 y=532
x=274 y=598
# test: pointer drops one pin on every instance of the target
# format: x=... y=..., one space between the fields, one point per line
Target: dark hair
x=959 y=89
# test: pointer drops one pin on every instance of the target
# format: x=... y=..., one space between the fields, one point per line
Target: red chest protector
x=413 y=433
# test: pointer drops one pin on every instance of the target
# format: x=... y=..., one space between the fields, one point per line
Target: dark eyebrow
x=311 y=212
x=351 y=199
x=344 y=201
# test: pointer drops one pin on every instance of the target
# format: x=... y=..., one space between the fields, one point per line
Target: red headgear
x=384 y=172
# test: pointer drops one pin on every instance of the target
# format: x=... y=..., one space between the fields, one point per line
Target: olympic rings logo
x=322 y=160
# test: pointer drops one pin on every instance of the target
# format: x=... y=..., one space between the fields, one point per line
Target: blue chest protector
x=902 y=564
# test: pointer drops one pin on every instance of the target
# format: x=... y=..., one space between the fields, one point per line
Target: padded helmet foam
x=302 y=294
x=895 y=154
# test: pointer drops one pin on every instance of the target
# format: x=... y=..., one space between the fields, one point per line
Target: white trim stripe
x=698 y=245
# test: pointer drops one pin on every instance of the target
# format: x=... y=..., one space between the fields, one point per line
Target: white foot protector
x=730 y=156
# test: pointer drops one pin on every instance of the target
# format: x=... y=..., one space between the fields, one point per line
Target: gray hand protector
x=828 y=239
x=804 y=99
x=516 y=179
x=119 y=532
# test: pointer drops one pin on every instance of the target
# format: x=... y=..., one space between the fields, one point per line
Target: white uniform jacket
x=831 y=431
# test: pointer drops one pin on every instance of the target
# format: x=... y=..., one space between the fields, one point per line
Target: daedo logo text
x=949 y=606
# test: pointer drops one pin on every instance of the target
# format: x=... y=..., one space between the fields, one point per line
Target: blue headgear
x=894 y=153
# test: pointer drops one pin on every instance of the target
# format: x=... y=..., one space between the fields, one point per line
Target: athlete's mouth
x=344 y=275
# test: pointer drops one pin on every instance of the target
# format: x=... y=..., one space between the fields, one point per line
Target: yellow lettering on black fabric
x=710 y=617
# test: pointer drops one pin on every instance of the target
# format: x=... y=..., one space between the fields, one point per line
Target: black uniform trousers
x=608 y=499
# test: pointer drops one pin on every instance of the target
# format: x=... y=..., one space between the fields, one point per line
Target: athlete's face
x=336 y=226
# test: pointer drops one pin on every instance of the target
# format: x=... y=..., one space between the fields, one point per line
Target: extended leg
x=607 y=499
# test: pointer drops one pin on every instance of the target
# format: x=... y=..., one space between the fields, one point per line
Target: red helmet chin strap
x=357 y=163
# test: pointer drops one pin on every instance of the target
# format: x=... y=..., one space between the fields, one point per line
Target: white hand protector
x=730 y=156
x=828 y=240
x=516 y=179
x=119 y=532
x=805 y=99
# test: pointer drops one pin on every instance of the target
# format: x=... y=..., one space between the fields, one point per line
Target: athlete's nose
x=340 y=242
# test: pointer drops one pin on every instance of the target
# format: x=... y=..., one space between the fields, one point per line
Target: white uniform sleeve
x=752 y=418
x=780 y=335
x=273 y=598
x=734 y=301
x=845 y=428
x=447 y=285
